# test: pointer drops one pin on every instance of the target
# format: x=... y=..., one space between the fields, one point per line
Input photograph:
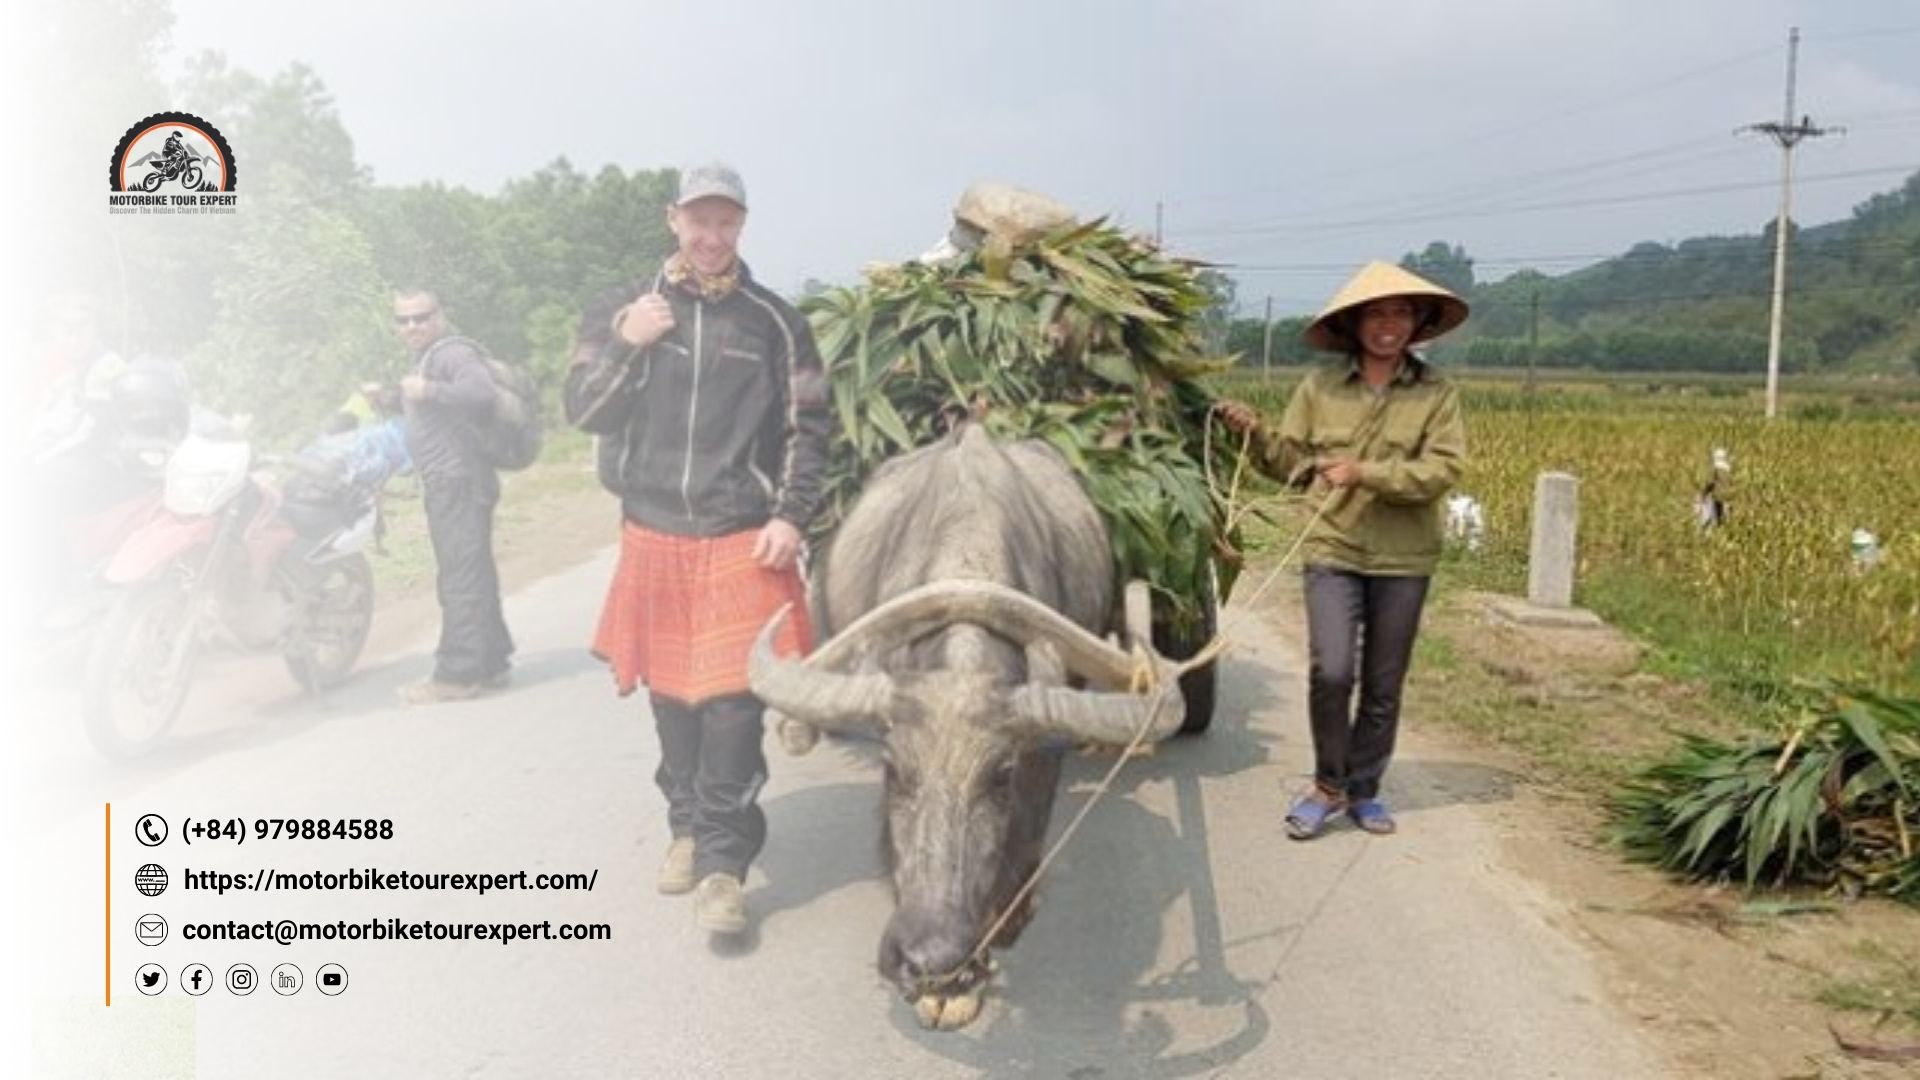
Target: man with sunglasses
x=449 y=398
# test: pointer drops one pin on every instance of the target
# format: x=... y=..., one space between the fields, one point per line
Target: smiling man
x=707 y=394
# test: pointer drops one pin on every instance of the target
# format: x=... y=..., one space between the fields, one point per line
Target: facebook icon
x=196 y=979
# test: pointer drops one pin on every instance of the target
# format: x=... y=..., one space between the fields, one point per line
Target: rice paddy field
x=1778 y=592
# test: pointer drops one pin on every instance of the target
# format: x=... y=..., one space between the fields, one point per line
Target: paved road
x=1180 y=935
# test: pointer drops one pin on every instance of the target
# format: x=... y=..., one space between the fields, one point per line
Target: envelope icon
x=150 y=926
x=150 y=929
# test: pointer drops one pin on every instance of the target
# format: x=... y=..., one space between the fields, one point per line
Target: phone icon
x=151 y=830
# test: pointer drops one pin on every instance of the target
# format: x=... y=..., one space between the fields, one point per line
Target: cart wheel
x=1197 y=687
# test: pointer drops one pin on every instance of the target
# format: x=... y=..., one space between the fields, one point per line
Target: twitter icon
x=152 y=979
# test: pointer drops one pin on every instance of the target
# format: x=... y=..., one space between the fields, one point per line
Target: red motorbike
x=90 y=510
x=265 y=554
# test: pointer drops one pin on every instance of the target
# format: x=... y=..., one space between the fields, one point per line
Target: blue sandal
x=1373 y=816
x=1309 y=814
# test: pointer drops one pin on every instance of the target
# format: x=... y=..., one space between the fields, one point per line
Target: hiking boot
x=718 y=906
x=434 y=692
x=676 y=872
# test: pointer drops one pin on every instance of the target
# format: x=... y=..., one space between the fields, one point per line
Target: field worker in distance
x=1377 y=435
x=708 y=396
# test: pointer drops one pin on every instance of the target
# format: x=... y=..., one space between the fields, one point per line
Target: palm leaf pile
x=1083 y=337
x=1835 y=801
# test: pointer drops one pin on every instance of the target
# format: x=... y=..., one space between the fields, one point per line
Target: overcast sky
x=1292 y=140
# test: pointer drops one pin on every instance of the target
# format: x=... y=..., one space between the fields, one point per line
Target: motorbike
x=90 y=504
x=262 y=553
x=185 y=168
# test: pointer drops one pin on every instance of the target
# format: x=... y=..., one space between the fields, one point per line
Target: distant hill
x=1853 y=302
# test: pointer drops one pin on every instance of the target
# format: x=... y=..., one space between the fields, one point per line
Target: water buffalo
x=964 y=599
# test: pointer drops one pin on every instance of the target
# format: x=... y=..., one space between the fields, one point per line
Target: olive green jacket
x=1411 y=443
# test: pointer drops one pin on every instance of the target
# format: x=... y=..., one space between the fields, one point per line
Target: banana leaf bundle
x=1833 y=801
x=1081 y=336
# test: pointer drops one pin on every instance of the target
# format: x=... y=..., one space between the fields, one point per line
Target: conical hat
x=1376 y=281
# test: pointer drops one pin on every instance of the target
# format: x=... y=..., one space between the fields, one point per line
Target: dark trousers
x=712 y=768
x=1357 y=625
x=474 y=642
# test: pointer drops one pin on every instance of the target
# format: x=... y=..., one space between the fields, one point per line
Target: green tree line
x=1853 y=303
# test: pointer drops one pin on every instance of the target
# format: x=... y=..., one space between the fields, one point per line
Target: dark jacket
x=719 y=425
x=445 y=427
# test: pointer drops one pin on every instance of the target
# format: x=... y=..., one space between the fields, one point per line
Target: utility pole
x=1786 y=133
x=1533 y=341
x=1157 y=219
x=1266 y=343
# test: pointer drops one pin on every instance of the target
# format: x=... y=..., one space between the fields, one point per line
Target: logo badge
x=172 y=162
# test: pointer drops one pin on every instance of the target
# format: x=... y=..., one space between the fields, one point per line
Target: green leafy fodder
x=1833 y=801
x=1085 y=338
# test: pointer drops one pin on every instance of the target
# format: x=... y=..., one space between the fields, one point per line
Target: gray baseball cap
x=710 y=180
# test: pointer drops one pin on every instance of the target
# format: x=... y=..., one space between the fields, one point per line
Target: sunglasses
x=414 y=320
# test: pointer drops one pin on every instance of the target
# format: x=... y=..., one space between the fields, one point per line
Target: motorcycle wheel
x=333 y=625
x=191 y=178
x=139 y=669
x=152 y=182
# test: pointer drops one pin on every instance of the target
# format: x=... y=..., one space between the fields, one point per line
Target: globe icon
x=150 y=879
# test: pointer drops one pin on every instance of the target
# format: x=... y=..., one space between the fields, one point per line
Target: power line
x=1704 y=249
x=1454 y=144
x=1756 y=294
x=1884 y=32
x=1571 y=204
x=1484 y=304
x=1489 y=203
x=1477 y=192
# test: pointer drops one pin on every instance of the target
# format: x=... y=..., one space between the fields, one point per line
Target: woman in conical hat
x=1377 y=438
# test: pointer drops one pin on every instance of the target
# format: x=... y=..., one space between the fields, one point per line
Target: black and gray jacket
x=717 y=427
x=444 y=427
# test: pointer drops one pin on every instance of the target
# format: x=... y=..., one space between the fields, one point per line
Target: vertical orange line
x=109 y=925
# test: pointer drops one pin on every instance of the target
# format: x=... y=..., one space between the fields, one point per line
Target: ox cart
x=1020 y=546
x=1034 y=325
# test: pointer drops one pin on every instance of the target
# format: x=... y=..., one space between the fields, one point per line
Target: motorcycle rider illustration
x=174 y=161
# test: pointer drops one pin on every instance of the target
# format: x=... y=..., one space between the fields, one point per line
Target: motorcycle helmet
x=150 y=400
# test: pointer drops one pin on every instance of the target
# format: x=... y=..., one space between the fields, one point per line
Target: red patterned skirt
x=683 y=611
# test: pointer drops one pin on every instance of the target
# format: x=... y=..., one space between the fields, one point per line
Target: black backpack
x=511 y=439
